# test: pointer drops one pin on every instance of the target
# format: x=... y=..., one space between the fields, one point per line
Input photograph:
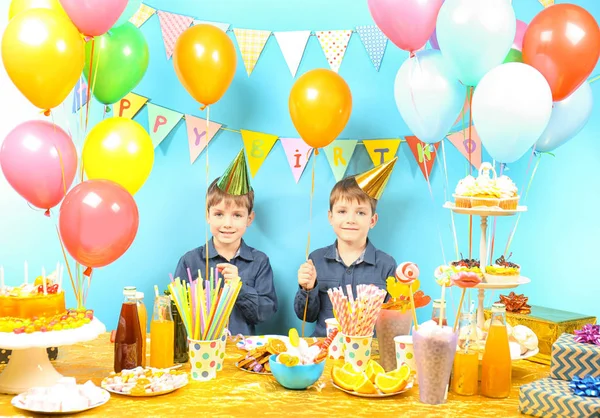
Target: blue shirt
x=257 y=299
x=372 y=267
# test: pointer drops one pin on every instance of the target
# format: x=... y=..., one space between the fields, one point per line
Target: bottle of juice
x=465 y=373
x=437 y=311
x=143 y=315
x=128 y=338
x=496 y=366
x=162 y=331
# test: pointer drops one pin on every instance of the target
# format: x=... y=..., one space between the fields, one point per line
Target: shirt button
x=348 y=271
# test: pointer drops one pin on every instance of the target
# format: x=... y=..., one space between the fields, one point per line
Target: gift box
x=570 y=359
x=5 y=354
x=548 y=324
x=553 y=398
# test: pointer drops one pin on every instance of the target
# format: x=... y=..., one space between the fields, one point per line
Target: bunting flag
x=339 y=153
x=251 y=43
x=257 y=145
x=546 y=3
x=161 y=122
x=374 y=41
x=424 y=154
x=129 y=105
x=334 y=43
x=80 y=96
x=198 y=137
x=467 y=145
x=143 y=13
x=172 y=25
x=223 y=26
x=292 y=45
x=381 y=150
x=298 y=153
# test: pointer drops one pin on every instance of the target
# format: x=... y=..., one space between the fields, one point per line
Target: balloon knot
x=316 y=151
x=88 y=272
x=47 y=213
x=202 y=107
x=87 y=38
x=412 y=54
x=47 y=112
x=107 y=109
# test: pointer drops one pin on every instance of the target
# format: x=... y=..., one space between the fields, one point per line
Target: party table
x=238 y=393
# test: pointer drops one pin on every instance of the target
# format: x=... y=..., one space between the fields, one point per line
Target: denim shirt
x=372 y=267
x=257 y=300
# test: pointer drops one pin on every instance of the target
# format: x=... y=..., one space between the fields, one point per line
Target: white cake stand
x=29 y=365
x=483 y=213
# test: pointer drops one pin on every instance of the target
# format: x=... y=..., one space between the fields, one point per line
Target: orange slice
x=364 y=385
x=390 y=383
x=402 y=373
x=373 y=369
x=343 y=378
x=294 y=337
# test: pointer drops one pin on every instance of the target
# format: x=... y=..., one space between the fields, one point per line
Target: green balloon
x=120 y=61
x=514 y=56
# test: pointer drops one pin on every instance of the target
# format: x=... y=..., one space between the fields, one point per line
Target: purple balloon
x=434 y=43
x=518 y=42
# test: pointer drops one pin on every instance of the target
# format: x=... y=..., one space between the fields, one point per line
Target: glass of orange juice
x=162 y=334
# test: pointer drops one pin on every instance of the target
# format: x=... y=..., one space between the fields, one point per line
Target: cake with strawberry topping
x=466 y=264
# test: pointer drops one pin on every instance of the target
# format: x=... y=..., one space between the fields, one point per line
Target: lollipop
x=443 y=275
x=407 y=273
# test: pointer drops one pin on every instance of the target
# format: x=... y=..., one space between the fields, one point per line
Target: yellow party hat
x=236 y=181
x=373 y=182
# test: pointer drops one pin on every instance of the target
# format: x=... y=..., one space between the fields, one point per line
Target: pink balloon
x=94 y=17
x=98 y=221
x=518 y=42
x=34 y=157
x=407 y=23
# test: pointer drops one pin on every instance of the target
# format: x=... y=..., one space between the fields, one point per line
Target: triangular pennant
x=374 y=41
x=258 y=145
x=334 y=43
x=424 y=154
x=546 y=3
x=251 y=43
x=172 y=25
x=143 y=13
x=161 y=122
x=129 y=105
x=199 y=135
x=339 y=153
x=80 y=96
x=223 y=26
x=298 y=153
x=292 y=45
x=381 y=150
x=467 y=145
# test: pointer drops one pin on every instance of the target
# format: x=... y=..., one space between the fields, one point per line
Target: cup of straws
x=356 y=318
x=204 y=307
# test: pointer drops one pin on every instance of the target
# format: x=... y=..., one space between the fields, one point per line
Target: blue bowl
x=296 y=377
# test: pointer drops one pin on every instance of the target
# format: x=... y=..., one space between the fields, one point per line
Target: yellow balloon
x=43 y=53
x=119 y=149
x=18 y=6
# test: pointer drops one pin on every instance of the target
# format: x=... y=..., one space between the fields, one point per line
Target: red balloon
x=98 y=221
x=563 y=43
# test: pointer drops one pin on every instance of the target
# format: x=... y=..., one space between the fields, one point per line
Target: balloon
x=569 y=116
x=98 y=221
x=519 y=34
x=94 y=17
x=39 y=161
x=511 y=108
x=563 y=43
x=205 y=59
x=407 y=23
x=43 y=55
x=320 y=105
x=433 y=41
x=513 y=56
x=18 y=6
x=120 y=150
x=130 y=10
x=475 y=35
x=428 y=95
x=120 y=60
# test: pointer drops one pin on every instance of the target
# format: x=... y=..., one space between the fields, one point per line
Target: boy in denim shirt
x=352 y=259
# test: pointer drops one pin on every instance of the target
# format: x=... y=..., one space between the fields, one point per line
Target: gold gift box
x=548 y=324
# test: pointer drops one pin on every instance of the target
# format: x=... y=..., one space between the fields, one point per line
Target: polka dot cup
x=357 y=351
x=405 y=353
x=204 y=358
x=221 y=354
x=336 y=346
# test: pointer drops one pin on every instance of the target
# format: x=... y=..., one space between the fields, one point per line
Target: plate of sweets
x=374 y=382
x=257 y=360
x=145 y=382
x=66 y=397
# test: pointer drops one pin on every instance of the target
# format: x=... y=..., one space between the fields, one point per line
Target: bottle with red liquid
x=437 y=312
x=128 y=338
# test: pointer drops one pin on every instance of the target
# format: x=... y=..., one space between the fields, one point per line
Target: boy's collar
x=243 y=252
x=368 y=255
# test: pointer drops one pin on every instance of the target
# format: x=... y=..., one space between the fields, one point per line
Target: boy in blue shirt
x=352 y=259
x=230 y=200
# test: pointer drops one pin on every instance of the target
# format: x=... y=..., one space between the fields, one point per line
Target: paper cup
x=405 y=353
x=357 y=351
x=204 y=358
x=221 y=353
x=336 y=346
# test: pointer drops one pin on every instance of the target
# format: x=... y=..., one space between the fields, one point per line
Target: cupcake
x=466 y=264
x=502 y=271
x=485 y=191
x=509 y=198
x=464 y=192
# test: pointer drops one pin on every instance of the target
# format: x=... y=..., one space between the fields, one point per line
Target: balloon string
x=470 y=169
x=451 y=212
x=207 y=185
x=433 y=200
x=62 y=246
x=492 y=242
x=89 y=86
x=310 y=210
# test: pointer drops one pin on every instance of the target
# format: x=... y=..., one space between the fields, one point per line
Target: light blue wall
x=556 y=243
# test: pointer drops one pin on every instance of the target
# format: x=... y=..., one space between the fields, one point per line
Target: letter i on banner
x=382 y=150
x=257 y=145
x=339 y=153
x=129 y=106
x=161 y=122
x=298 y=153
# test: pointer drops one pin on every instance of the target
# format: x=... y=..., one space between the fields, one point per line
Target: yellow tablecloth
x=238 y=393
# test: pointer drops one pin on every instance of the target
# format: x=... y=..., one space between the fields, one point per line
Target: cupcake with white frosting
x=509 y=194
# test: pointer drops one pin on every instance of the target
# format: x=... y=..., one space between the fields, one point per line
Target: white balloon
x=511 y=108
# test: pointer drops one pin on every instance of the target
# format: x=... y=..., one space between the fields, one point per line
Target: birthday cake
x=486 y=190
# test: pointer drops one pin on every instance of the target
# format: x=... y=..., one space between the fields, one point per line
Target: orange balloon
x=205 y=61
x=320 y=105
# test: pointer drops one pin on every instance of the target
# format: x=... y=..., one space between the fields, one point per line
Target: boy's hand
x=307 y=275
x=229 y=271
